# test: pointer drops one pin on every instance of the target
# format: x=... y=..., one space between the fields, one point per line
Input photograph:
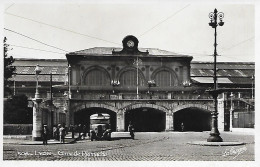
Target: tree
x=16 y=110
x=8 y=68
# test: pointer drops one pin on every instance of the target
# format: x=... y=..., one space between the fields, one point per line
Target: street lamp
x=37 y=113
x=151 y=83
x=214 y=23
x=37 y=72
x=137 y=62
x=253 y=77
x=115 y=83
x=69 y=82
x=231 y=110
x=77 y=87
x=186 y=83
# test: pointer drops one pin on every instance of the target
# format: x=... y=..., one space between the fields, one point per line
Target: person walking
x=84 y=130
x=79 y=131
x=131 y=129
x=72 y=131
x=58 y=132
x=182 y=127
x=62 y=134
x=45 y=135
x=54 y=132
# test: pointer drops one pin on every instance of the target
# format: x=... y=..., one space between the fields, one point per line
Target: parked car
x=100 y=128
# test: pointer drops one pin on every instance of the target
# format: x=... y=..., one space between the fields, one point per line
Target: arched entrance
x=83 y=116
x=194 y=119
x=146 y=119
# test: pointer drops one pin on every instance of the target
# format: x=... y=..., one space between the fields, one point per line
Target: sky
x=50 y=30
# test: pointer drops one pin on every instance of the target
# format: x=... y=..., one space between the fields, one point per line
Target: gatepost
x=37 y=120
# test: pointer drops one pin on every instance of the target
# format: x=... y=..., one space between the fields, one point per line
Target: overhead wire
x=34 y=49
x=9 y=7
x=197 y=54
x=233 y=58
x=164 y=20
x=224 y=49
x=86 y=35
x=34 y=39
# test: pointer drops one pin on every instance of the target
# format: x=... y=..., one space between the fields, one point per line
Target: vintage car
x=100 y=127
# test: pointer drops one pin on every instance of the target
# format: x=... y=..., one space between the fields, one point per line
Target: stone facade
x=107 y=78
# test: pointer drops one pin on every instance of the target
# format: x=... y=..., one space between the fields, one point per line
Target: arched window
x=164 y=78
x=128 y=78
x=97 y=77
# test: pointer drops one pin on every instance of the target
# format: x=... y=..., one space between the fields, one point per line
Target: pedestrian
x=182 y=127
x=79 y=131
x=131 y=129
x=62 y=134
x=75 y=130
x=72 y=131
x=84 y=130
x=45 y=135
x=54 y=132
x=58 y=132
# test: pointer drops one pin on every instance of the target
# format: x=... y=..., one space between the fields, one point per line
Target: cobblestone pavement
x=164 y=146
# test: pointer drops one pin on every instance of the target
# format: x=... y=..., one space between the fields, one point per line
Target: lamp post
x=37 y=72
x=215 y=21
x=69 y=81
x=230 y=114
x=51 y=102
x=115 y=83
x=253 y=78
x=186 y=84
x=69 y=115
x=137 y=62
x=77 y=87
x=37 y=114
x=150 y=83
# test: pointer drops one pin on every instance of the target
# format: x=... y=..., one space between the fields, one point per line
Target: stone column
x=120 y=116
x=169 y=121
x=37 y=120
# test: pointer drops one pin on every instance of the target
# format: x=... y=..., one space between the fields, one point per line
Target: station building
x=156 y=90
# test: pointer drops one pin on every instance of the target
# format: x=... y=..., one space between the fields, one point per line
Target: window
x=128 y=78
x=97 y=77
x=164 y=78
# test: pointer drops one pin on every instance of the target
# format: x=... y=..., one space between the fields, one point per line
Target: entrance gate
x=146 y=119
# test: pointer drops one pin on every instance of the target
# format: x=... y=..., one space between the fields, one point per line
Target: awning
x=210 y=80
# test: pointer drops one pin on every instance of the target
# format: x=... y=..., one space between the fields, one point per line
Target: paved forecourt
x=149 y=146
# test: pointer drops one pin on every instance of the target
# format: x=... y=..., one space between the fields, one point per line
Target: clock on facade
x=130 y=43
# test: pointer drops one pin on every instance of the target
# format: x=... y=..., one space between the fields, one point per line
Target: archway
x=194 y=119
x=83 y=116
x=146 y=119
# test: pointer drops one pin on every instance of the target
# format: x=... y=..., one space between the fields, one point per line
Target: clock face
x=130 y=43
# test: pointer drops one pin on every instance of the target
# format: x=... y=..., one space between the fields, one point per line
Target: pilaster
x=120 y=121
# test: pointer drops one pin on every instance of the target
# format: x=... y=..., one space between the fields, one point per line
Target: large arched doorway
x=83 y=116
x=146 y=119
x=194 y=119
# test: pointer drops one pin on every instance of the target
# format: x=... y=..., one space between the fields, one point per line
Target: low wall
x=18 y=129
